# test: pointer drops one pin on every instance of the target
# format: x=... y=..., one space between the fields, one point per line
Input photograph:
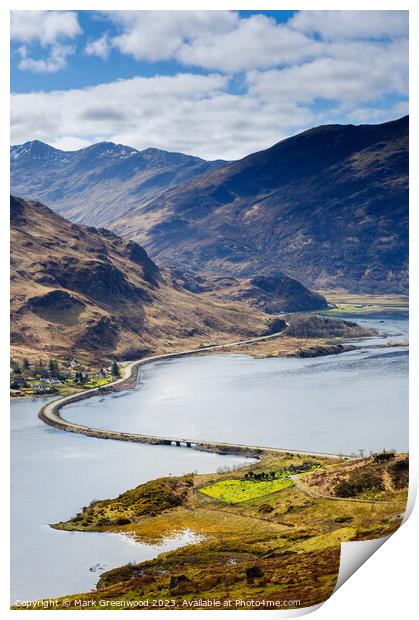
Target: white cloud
x=378 y=115
x=158 y=35
x=99 y=47
x=187 y=113
x=56 y=60
x=292 y=80
x=333 y=25
x=69 y=143
x=348 y=75
x=256 y=42
x=47 y=29
x=218 y=40
x=222 y=41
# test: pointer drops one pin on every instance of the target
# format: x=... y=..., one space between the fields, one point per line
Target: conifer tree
x=115 y=369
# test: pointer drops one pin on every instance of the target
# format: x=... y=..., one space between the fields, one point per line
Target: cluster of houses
x=43 y=389
x=48 y=384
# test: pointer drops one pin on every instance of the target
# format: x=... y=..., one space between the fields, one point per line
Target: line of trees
x=39 y=368
x=52 y=368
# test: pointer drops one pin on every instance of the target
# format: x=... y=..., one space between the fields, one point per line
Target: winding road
x=51 y=412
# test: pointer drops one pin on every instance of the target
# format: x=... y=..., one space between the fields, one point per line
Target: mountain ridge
x=106 y=176
x=113 y=148
x=328 y=207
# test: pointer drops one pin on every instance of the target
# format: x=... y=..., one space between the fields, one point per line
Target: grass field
x=98 y=382
x=236 y=491
x=363 y=303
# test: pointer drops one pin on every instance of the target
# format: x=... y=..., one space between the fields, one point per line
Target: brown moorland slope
x=76 y=290
x=79 y=291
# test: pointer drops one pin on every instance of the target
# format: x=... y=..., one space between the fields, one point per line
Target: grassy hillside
x=280 y=542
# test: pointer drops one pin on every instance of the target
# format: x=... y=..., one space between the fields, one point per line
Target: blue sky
x=219 y=84
x=84 y=70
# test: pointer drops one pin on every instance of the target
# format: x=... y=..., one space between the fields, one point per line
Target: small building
x=101 y=374
x=44 y=389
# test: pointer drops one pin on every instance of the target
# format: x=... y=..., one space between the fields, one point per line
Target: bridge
x=51 y=413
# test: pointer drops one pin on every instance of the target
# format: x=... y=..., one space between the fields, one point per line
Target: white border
x=385 y=586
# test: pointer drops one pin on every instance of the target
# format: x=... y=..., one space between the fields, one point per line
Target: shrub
x=399 y=473
x=253 y=572
x=359 y=482
x=383 y=457
x=155 y=496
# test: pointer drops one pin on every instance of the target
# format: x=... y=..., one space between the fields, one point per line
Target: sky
x=216 y=84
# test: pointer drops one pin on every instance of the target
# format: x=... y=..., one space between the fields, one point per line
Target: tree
x=26 y=364
x=16 y=384
x=39 y=368
x=78 y=378
x=115 y=369
x=53 y=368
x=14 y=365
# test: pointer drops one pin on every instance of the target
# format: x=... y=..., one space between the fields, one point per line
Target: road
x=51 y=412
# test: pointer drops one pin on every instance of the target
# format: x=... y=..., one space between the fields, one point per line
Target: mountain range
x=94 y=185
x=78 y=291
x=328 y=207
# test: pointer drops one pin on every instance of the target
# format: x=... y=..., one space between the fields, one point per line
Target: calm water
x=335 y=404
x=338 y=403
x=55 y=474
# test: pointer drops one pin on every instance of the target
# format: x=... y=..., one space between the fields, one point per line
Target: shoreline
x=52 y=410
x=303 y=347
x=317 y=350
x=50 y=413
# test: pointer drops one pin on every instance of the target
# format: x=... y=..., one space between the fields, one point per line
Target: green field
x=236 y=491
x=98 y=382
